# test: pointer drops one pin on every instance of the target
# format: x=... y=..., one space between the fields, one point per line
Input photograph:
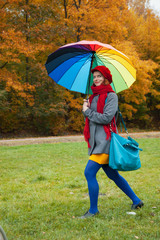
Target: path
x=77 y=138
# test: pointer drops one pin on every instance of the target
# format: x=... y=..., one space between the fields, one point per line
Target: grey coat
x=97 y=140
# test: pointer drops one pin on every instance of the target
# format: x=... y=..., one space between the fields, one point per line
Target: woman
x=100 y=113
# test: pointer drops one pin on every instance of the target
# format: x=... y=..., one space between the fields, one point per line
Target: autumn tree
x=145 y=35
x=31 y=30
x=27 y=35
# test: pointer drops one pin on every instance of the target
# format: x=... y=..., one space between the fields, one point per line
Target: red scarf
x=102 y=91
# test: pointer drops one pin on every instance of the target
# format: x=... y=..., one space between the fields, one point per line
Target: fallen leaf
x=136 y=237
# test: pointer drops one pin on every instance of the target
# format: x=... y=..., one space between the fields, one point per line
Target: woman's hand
x=86 y=105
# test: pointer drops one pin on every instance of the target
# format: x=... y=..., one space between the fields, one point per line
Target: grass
x=43 y=190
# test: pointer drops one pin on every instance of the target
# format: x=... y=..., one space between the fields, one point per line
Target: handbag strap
x=122 y=120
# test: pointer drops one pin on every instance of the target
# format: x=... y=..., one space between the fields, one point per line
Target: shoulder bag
x=124 y=153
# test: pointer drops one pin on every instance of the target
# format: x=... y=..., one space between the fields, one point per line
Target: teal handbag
x=124 y=153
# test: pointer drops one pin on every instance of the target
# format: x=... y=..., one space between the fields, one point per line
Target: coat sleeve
x=109 y=111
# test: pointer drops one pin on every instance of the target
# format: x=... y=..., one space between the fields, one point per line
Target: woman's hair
x=105 y=83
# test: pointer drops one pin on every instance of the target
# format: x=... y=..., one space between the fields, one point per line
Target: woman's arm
x=110 y=110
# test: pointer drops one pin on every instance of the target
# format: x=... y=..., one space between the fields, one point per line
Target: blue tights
x=93 y=187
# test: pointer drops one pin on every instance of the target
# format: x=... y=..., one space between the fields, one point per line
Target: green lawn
x=43 y=190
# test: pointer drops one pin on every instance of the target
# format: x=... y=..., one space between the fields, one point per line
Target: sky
x=155 y=4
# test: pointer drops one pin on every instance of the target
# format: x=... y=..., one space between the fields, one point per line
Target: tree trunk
x=66 y=16
x=27 y=59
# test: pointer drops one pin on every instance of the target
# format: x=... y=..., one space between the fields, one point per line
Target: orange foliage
x=74 y=106
x=30 y=30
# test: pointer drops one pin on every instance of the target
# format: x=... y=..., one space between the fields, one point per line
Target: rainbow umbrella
x=70 y=66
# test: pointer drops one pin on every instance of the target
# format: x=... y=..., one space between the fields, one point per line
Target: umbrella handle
x=90 y=74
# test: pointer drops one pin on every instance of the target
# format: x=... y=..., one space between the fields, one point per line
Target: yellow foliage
x=137 y=92
x=158 y=106
x=30 y=30
x=128 y=110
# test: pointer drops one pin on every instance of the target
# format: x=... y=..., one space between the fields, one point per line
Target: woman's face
x=98 y=78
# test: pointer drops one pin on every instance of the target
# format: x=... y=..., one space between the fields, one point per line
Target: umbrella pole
x=90 y=76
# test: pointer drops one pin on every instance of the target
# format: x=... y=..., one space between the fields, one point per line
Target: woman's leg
x=121 y=183
x=93 y=187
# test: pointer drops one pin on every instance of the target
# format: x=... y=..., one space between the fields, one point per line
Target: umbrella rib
x=114 y=49
x=102 y=62
x=119 y=71
x=99 y=49
x=72 y=65
x=115 y=59
x=80 y=69
x=76 y=52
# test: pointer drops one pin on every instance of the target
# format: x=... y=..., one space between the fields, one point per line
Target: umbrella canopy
x=70 y=66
